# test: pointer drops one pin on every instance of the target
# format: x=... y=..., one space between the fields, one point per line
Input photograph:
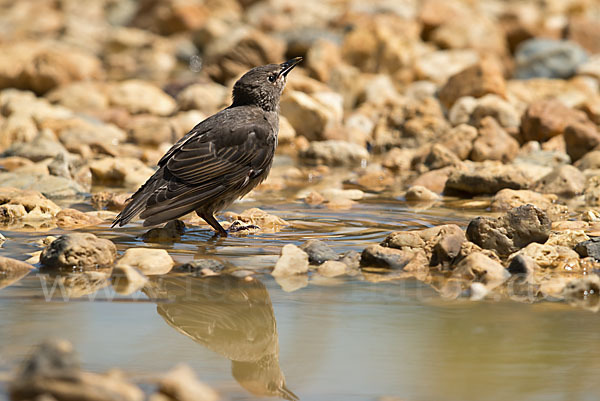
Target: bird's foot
x=238 y=226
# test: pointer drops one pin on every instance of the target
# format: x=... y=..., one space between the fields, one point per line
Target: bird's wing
x=203 y=166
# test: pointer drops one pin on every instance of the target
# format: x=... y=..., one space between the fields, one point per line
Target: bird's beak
x=285 y=392
x=288 y=65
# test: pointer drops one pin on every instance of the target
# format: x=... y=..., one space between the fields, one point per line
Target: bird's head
x=262 y=86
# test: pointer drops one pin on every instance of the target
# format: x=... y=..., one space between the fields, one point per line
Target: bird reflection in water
x=231 y=316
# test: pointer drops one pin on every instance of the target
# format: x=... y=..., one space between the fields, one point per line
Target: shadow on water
x=231 y=316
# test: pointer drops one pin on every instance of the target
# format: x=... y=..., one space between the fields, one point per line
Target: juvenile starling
x=221 y=159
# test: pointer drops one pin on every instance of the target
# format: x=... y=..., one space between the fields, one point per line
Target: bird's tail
x=137 y=202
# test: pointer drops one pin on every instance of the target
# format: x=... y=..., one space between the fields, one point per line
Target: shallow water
x=342 y=339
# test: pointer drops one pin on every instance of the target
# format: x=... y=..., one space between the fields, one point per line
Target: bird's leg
x=210 y=219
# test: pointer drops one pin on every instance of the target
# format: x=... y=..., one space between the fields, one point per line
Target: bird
x=221 y=159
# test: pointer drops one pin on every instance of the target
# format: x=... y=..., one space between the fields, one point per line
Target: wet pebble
x=318 y=251
x=149 y=261
x=292 y=261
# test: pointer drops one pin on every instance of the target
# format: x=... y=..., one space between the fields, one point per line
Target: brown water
x=336 y=339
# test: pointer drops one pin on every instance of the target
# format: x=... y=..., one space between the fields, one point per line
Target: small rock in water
x=589 y=248
x=318 y=251
x=172 y=231
x=522 y=265
x=149 y=261
x=202 y=266
x=82 y=251
x=351 y=259
x=379 y=256
x=12 y=270
x=479 y=267
x=71 y=218
x=332 y=268
x=292 y=261
x=126 y=279
x=267 y=222
x=486 y=178
x=181 y=384
x=418 y=193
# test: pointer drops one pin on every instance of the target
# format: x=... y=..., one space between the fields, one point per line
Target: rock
x=590 y=161
x=254 y=216
x=314 y=198
x=477 y=81
x=493 y=143
x=50 y=186
x=81 y=251
x=332 y=268
x=434 y=180
x=461 y=110
x=43 y=146
x=589 y=248
x=486 y=178
x=14 y=162
x=564 y=180
x=119 y=171
x=479 y=267
x=438 y=157
x=545 y=119
x=12 y=270
x=170 y=17
x=203 y=266
x=312 y=115
x=141 y=97
x=379 y=256
x=318 y=251
x=172 y=231
x=335 y=153
x=554 y=257
x=71 y=218
x=438 y=66
x=522 y=265
x=80 y=96
x=508 y=199
x=148 y=261
x=322 y=57
x=110 y=201
x=501 y=110
x=181 y=384
x=53 y=370
x=567 y=238
x=149 y=130
x=208 y=97
x=592 y=192
x=27 y=204
x=447 y=244
x=293 y=260
x=418 y=193
x=547 y=58
x=126 y=279
x=580 y=138
x=398 y=159
x=512 y=231
x=459 y=140
x=585 y=32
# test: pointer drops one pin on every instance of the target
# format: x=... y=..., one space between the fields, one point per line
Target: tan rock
x=208 y=97
x=493 y=143
x=312 y=116
x=459 y=140
x=119 y=171
x=292 y=261
x=418 y=193
x=79 y=251
x=141 y=97
x=72 y=218
x=479 y=267
x=580 y=138
x=564 y=180
x=332 y=268
x=33 y=203
x=545 y=119
x=149 y=261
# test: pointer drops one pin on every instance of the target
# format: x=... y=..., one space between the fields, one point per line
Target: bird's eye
x=272 y=78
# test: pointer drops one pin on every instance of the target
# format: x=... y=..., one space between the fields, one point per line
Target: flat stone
x=486 y=178
x=564 y=180
x=379 y=256
x=149 y=261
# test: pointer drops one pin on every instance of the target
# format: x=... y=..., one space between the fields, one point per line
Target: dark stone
x=449 y=245
x=521 y=265
x=379 y=256
x=197 y=265
x=318 y=251
x=547 y=58
x=351 y=259
x=589 y=248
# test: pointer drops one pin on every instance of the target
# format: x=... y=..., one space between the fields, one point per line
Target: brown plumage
x=221 y=159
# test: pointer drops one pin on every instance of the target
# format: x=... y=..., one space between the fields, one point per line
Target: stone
x=418 y=193
x=501 y=110
x=43 y=146
x=148 y=261
x=80 y=96
x=292 y=261
x=590 y=161
x=567 y=238
x=398 y=159
x=110 y=201
x=11 y=163
x=493 y=143
x=204 y=266
x=72 y=218
x=53 y=370
x=332 y=268
x=548 y=58
x=580 y=138
x=545 y=119
x=318 y=251
x=78 y=251
x=28 y=204
x=170 y=17
x=434 y=180
x=181 y=384
x=554 y=257
x=510 y=232
x=565 y=180
x=322 y=57
x=522 y=265
x=119 y=171
x=50 y=186
x=379 y=256
x=589 y=248
x=149 y=130
x=312 y=115
x=314 y=198
x=438 y=66
x=141 y=97
x=292 y=283
x=405 y=240
x=584 y=31
x=172 y=231
x=335 y=153
x=208 y=97
x=486 y=178
x=17 y=128
x=12 y=270
x=592 y=192
x=479 y=267
x=126 y=279
x=478 y=80
x=254 y=216
x=438 y=157
x=461 y=110
x=459 y=140
x=447 y=244
x=508 y=199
